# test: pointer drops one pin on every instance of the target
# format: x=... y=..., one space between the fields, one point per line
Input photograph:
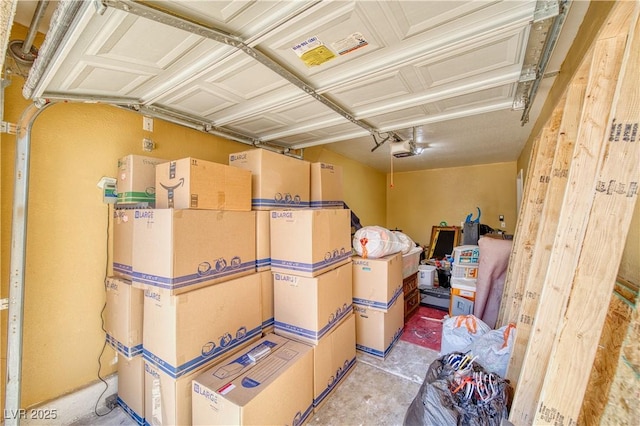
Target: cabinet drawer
x=411 y=302
x=410 y=283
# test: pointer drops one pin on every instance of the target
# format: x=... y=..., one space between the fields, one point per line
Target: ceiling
x=348 y=75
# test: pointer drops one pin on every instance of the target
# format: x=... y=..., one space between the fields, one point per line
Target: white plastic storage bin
x=426 y=274
x=410 y=262
x=469 y=272
x=466 y=255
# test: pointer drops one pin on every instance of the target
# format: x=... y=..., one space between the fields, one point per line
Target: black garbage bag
x=442 y=400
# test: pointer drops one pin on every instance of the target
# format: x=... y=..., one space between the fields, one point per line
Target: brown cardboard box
x=278 y=181
x=167 y=399
x=123 y=316
x=310 y=242
x=131 y=387
x=136 y=179
x=326 y=186
x=123 y=242
x=378 y=331
x=190 y=183
x=183 y=332
x=182 y=250
x=271 y=384
x=266 y=278
x=377 y=283
x=263 y=240
x=333 y=359
x=308 y=308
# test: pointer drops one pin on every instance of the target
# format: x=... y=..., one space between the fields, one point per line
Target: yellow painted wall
x=364 y=187
x=422 y=199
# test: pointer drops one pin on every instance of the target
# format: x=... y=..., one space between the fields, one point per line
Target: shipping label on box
x=185 y=331
x=124 y=316
x=263 y=240
x=278 y=181
x=182 y=250
x=310 y=242
x=131 y=387
x=136 y=179
x=190 y=183
x=377 y=283
x=334 y=358
x=307 y=308
x=326 y=186
x=272 y=383
x=378 y=331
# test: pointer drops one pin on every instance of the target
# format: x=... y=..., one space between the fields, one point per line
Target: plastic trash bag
x=450 y=397
x=407 y=243
x=374 y=242
x=493 y=349
x=460 y=331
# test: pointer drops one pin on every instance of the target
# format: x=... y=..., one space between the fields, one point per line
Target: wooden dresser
x=411 y=295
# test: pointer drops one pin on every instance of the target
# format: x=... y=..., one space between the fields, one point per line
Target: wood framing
x=614 y=198
x=591 y=225
x=571 y=112
x=529 y=220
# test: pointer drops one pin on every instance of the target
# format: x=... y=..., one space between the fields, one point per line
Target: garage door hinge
x=4 y=304
x=8 y=128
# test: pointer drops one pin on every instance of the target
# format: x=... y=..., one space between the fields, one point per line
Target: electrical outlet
x=147 y=124
x=503 y=225
x=148 y=145
x=112 y=401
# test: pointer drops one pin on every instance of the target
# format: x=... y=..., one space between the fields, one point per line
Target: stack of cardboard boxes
x=232 y=294
x=192 y=301
x=310 y=261
x=191 y=261
x=378 y=302
x=123 y=319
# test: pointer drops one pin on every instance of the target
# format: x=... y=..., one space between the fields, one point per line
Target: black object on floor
x=435 y=297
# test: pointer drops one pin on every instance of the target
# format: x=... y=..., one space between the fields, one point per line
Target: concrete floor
x=376 y=392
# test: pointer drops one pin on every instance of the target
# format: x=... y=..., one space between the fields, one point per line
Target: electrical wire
x=104 y=345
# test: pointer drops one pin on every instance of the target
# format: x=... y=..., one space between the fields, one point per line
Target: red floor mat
x=424 y=328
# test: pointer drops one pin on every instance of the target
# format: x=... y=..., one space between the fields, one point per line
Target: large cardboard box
x=123 y=242
x=190 y=183
x=136 y=179
x=263 y=240
x=183 y=332
x=326 y=186
x=182 y=250
x=333 y=359
x=167 y=399
x=378 y=331
x=131 y=387
x=270 y=384
x=124 y=316
x=267 y=293
x=278 y=181
x=310 y=242
x=377 y=283
x=307 y=308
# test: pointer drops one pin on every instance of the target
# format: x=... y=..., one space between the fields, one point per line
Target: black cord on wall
x=104 y=345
